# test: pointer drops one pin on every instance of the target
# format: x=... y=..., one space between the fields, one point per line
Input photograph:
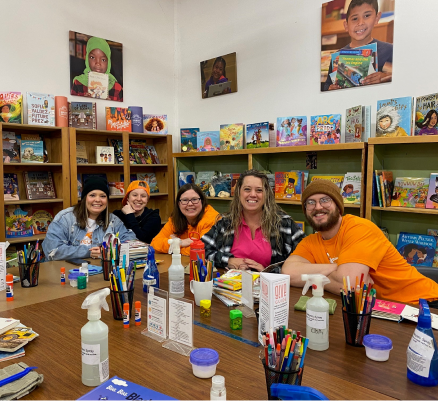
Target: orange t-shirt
x=361 y=241
x=160 y=244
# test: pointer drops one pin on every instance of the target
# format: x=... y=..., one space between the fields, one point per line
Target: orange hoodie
x=159 y=243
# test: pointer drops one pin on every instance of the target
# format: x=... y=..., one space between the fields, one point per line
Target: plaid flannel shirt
x=218 y=245
x=115 y=93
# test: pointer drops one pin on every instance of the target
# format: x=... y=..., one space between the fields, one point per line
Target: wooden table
x=54 y=311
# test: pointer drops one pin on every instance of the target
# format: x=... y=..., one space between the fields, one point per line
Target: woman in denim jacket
x=78 y=231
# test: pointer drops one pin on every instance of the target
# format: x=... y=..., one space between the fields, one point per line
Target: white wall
x=278 y=60
x=34 y=49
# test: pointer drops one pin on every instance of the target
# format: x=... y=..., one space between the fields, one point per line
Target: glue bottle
x=317 y=312
x=94 y=338
x=9 y=287
x=151 y=276
x=422 y=351
x=176 y=270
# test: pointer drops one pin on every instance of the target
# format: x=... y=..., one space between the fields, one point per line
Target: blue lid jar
x=75 y=275
x=377 y=342
x=204 y=357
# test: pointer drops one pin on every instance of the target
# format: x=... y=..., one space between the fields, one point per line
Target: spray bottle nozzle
x=94 y=302
x=317 y=281
x=175 y=246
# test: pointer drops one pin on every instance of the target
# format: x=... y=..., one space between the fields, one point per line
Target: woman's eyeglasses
x=194 y=201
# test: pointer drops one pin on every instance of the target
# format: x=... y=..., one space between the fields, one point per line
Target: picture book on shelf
x=153 y=154
x=208 y=141
x=11 y=107
x=434 y=233
x=41 y=220
x=155 y=124
x=257 y=135
x=188 y=139
x=203 y=181
x=32 y=151
x=300 y=225
x=186 y=177
x=231 y=136
x=40 y=109
x=417 y=249
x=351 y=188
x=353 y=66
x=98 y=85
x=394 y=117
x=116 y=188
x=138 y=152
x=117 y=144
x=11 y=147
x=234 y=178
x=79 y=185
x=354 y=124
x=82 y=115
x=39 y=185
x=18 y=221
x=426 y=115
x=81 y=153
x=432 y=194
x=336 y=179
x=410 y=192
x=151 y=179
x=10 y=186
x=289 y=185
x=118 y=119
x=104 y=155
x=385 y=186
x=325 y=129
x=292 y=131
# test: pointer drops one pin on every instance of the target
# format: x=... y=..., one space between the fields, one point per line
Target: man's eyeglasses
x=194 y=201
x=325 y=202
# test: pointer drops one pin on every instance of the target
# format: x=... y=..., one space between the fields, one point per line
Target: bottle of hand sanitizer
x=176 y=270
x=151 y=275
x=317 y=312
x=94 y=338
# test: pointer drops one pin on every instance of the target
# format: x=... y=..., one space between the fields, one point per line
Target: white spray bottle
x=317 y=312
x=176 y=270
x=94 y=338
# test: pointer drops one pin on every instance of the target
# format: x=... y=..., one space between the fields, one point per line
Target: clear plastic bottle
x=151 y=276
x=94 y=339
x=176 y=270
x=84 y=269
x=218 y=390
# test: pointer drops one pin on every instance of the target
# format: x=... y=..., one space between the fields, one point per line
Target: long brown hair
x=81 y=214
x=178 y=219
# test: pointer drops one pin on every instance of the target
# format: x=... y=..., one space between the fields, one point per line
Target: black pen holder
x=356 y=326
x=118 y=298
x=29 y=273
x=107 y=268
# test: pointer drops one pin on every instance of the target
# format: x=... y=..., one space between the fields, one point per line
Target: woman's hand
x=252 y=264
x=186 y=242
x=127 y=209
x=95 y=252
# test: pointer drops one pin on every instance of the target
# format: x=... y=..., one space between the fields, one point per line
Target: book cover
x=40 y=109
x=81 y=153
x=351 y=190
x=79 y=185
x=120 y=389
x=61 y=111
x=388 y=186
x=11 y=107
x=353 y=67
x=11 y=147
x=325 y=129
x=394 y=117
x=300 y=225
x=203 y=181
x=366 y=123
x=336 y=179
x=208 y=141
x=10 y=186
x=292 y=131
x=138 y=152
x=354 y=124
x=32 y=151
x=104 y=155
x=186 y=177
x=426 y=115
x=18 y=221
x=155 y=124
x=41 y=220
x=231 y=136
x=289 y=185
x=98 y=85
x=153 y=154
x=410 y=192
x=116 y=188
x=39 y=185
x=82 y=115
x=117 y=144
x=188 y=139
x=432 y=194
x=417 y=249
x=434 y=233
x=234 y=178
x=151 y=179
x=257 y=135
x=118 y=119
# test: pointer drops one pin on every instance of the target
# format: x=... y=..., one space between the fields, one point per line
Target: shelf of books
x=402 y=184
x=101 y=153
x=35 y=175
x=289 y=169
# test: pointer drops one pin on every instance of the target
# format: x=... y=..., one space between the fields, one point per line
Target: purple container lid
x=204 y=357
x=75 y=275
x=377 y=342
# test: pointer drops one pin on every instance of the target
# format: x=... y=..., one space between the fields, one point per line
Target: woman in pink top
x=256 y=232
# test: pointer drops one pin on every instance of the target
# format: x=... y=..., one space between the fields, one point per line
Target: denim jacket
x=63 y=239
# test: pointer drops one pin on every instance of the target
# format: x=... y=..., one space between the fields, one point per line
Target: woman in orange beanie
x=146 y=223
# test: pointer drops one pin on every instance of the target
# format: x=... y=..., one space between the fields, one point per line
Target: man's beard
x=332 y=220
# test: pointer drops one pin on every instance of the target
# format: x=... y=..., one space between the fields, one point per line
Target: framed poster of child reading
x=96 y=67
x=219 y=76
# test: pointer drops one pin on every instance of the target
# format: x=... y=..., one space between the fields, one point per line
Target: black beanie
x=95 y=183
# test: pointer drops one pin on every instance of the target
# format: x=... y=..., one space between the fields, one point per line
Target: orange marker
x=9 y=287
x=137 y=313
x=126 y=315
x=62 y=275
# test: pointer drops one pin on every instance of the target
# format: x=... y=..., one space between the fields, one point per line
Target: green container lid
x=234 y=313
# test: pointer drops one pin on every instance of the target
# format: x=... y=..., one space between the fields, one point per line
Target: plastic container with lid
x=377 y=347
x=204 y=362
x=73 y=278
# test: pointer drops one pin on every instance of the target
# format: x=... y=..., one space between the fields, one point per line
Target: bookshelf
x=331 y=160
x=162 y=200
x=57 y=145
x=405 y=157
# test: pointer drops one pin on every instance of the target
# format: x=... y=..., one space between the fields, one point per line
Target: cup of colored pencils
x=122 y=289
x=29 y=267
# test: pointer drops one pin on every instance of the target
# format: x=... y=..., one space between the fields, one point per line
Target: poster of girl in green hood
x=93 y=54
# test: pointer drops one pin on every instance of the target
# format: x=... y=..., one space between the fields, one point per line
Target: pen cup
x=29 y=273
x=356 y=326
x=118 y=298
x=107 y=268
x=275 y=376
x=201 y=290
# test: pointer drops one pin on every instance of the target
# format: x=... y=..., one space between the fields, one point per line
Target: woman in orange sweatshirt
x=191 y=213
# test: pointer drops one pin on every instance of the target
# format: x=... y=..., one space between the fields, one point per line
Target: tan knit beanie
x=323 y=187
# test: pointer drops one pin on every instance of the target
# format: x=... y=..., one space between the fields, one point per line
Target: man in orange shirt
x=349 y=246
